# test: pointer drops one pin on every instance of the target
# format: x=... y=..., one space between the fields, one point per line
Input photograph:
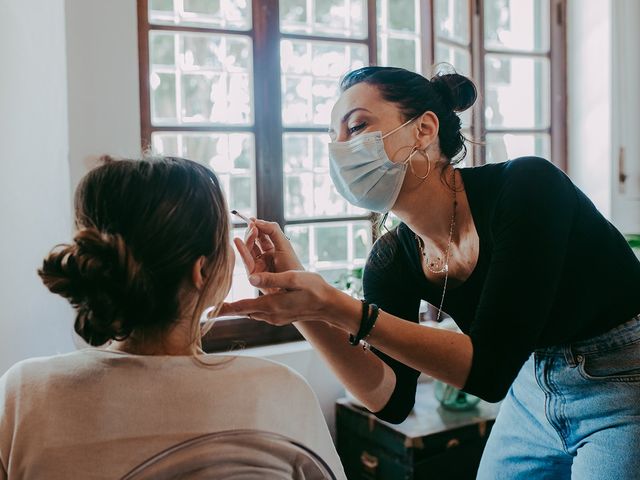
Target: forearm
x=443 y=354
x=364 y=374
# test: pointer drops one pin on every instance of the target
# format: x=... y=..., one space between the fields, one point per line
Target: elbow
x=493 y=396
x=490 y=390
x=396 y=413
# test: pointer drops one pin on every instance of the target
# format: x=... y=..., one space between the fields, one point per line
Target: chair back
x=235 y=454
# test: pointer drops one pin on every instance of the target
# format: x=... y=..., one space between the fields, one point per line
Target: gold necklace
x=445 y=267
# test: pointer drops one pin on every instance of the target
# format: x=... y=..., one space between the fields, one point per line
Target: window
x=515 y=51
x=246 y=87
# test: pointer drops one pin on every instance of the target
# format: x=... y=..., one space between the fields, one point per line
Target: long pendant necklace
x=445 y=268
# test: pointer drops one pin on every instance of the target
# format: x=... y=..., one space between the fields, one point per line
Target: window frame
x=556 y=55
x=268 y=128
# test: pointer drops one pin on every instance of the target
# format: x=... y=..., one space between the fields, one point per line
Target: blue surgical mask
x=363 y=174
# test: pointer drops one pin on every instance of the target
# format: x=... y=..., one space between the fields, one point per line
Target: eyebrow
x=347 y=115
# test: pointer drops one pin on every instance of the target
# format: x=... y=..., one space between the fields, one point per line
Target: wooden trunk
x=432 y=443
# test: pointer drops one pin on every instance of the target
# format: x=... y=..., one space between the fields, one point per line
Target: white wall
x=102 y=64
x=34 y=185
x=626 y=115
x=604 y=105
x=589 y=98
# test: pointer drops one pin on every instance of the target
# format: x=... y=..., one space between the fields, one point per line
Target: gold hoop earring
x=423 y=152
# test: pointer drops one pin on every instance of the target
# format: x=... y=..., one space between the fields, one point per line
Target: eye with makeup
x=357 y=128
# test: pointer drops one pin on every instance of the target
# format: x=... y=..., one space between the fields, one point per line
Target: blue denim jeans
x=572 y=412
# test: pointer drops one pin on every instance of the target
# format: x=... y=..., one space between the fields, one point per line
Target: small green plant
x=351 y=282
x=634 y=242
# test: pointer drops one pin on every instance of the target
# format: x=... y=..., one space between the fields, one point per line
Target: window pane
x=459 y=58
x=299 y=236
x=309 y=191
x=332 y=249
x=163 y=97
x=517 y=92
x=162 y=48
x=230 y=155
x=501 y=147
x=216 y=98
x=398 y=15
x=161 y=5
x=211 y=72
x=311 y=71
x=399 y=34
x=333 y=18
x=331 y=243
x=452 y=20
x=240 y=286
x=228 y=14
x=402 y=53
x=521 y=25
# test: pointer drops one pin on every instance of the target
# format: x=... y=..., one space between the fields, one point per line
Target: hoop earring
x=423 y=152
x=209 y=314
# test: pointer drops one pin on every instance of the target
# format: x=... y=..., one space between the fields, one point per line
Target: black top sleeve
x=385 y=286
x=530 y=228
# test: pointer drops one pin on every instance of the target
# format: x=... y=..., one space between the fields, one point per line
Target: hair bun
x=458 y=89
x=103 y=281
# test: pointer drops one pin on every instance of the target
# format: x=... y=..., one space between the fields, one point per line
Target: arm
x=309 y=299
x=383 y=286
x=325 y=315
x=366 y=376
x=266 y=248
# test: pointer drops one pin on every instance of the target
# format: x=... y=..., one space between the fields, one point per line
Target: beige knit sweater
x=96 y=414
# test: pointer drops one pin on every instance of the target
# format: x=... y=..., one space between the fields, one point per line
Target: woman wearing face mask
x=543 y=287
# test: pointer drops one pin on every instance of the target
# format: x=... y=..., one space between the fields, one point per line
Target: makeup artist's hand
x=298 y=296
x=266 y=249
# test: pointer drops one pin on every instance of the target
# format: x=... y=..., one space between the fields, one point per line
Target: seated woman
x=151 y=254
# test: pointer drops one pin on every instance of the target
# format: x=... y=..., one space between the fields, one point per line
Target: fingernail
x=254 y=279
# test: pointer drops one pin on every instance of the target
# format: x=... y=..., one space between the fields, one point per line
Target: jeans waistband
x=619 y=336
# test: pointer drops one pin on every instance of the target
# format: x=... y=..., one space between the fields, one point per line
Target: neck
x=435 y=196
x=178 y=340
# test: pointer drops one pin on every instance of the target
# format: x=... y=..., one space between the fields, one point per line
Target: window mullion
x=557 y=9
x=427 y=36
x=372 y=32
x=268 y=120
x=143 y=76
x=476 y=10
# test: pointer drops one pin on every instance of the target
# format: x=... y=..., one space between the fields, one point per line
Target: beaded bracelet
x=369 y=316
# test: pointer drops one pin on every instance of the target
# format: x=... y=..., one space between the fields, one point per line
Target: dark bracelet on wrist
x=369 y=316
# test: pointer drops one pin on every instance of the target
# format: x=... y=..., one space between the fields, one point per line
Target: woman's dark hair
x=444 y=95
x=142 y=224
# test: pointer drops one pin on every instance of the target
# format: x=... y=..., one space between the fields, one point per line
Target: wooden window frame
x=268 y=129
x=558 y=82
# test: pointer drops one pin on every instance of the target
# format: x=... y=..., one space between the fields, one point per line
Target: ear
x=428 y=126
x=197 y=273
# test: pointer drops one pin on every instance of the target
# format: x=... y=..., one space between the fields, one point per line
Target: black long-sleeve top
x=551 y=270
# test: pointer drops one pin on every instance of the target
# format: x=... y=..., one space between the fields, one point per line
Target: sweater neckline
x=414 y=253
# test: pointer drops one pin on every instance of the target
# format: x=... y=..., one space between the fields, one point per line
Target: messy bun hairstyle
x=142 y=224
x=446 y=94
